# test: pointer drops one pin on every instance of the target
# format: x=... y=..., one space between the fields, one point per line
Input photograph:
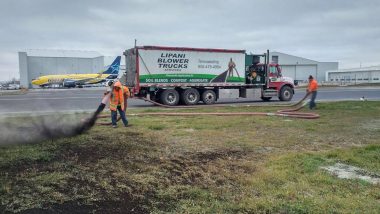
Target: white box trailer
x=178 y=68
x=172 y=74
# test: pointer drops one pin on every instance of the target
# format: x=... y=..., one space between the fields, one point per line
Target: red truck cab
x=269 y=75
x=284 y=85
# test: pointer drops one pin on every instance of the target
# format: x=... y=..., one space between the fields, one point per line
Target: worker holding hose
x=118 y=102
x=312 y=88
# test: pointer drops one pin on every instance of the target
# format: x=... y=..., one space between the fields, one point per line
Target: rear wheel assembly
x=190 y=96
x=208 y=97
x=169 y=97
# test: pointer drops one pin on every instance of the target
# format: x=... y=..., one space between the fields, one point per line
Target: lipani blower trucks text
x=172 y=75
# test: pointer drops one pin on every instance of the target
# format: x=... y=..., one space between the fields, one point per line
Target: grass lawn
x=201 y=164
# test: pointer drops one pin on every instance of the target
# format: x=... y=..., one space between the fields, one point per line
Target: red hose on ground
x=281 y=113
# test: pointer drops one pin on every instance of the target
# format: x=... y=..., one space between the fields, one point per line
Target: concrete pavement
x=87 y=99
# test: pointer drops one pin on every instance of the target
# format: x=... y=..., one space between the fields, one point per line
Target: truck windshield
x=273 y=71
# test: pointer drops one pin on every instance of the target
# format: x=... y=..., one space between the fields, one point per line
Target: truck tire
x=169 y=97
x=190 y=96
x=266 y=98
x=209 y=97
x=286 y=93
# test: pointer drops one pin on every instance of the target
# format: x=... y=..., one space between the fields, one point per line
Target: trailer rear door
x=130 y=68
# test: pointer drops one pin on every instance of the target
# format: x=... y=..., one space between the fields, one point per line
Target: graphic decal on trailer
x=159 y=66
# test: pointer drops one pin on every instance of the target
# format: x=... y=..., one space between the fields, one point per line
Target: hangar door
x=288 y=71
x=302 y=72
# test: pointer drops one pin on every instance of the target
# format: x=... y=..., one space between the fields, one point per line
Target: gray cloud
x=345 y=31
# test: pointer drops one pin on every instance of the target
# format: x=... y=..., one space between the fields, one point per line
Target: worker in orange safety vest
x=118 y=102
x=312 y=88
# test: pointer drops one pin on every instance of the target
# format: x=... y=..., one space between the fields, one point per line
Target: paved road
x=87 y=99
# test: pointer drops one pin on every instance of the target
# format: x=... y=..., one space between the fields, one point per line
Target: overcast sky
x=347 y=31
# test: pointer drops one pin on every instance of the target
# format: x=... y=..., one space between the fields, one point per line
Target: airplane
x=73 y=80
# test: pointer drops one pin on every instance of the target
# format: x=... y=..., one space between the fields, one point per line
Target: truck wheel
x=169 y=97
x=190 y=96
x=208 y=97
x=286 y=93
x=266 y=98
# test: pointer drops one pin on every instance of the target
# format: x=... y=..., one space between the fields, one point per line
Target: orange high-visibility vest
x=117 y=97
x=313 y=85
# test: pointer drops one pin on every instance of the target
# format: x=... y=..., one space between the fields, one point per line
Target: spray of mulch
x=33 y=128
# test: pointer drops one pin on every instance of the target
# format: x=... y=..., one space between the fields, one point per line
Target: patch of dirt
x=103 y=147
x=80 y=154
x=24 y=166
x=204 y=157
x=87 y=153
x=89 y=175
x=372 y=125
x=345 y=171
x=86 y=177
x=202 y=168
x=124 y=206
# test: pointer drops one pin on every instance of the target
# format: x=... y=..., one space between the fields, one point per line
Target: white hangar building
x=300 y=68
x=35 y=63
x=355 y=75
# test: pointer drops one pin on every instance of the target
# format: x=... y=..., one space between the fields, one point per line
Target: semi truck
x=180 y=75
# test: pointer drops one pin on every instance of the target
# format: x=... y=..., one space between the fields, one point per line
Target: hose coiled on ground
x=291 y=112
